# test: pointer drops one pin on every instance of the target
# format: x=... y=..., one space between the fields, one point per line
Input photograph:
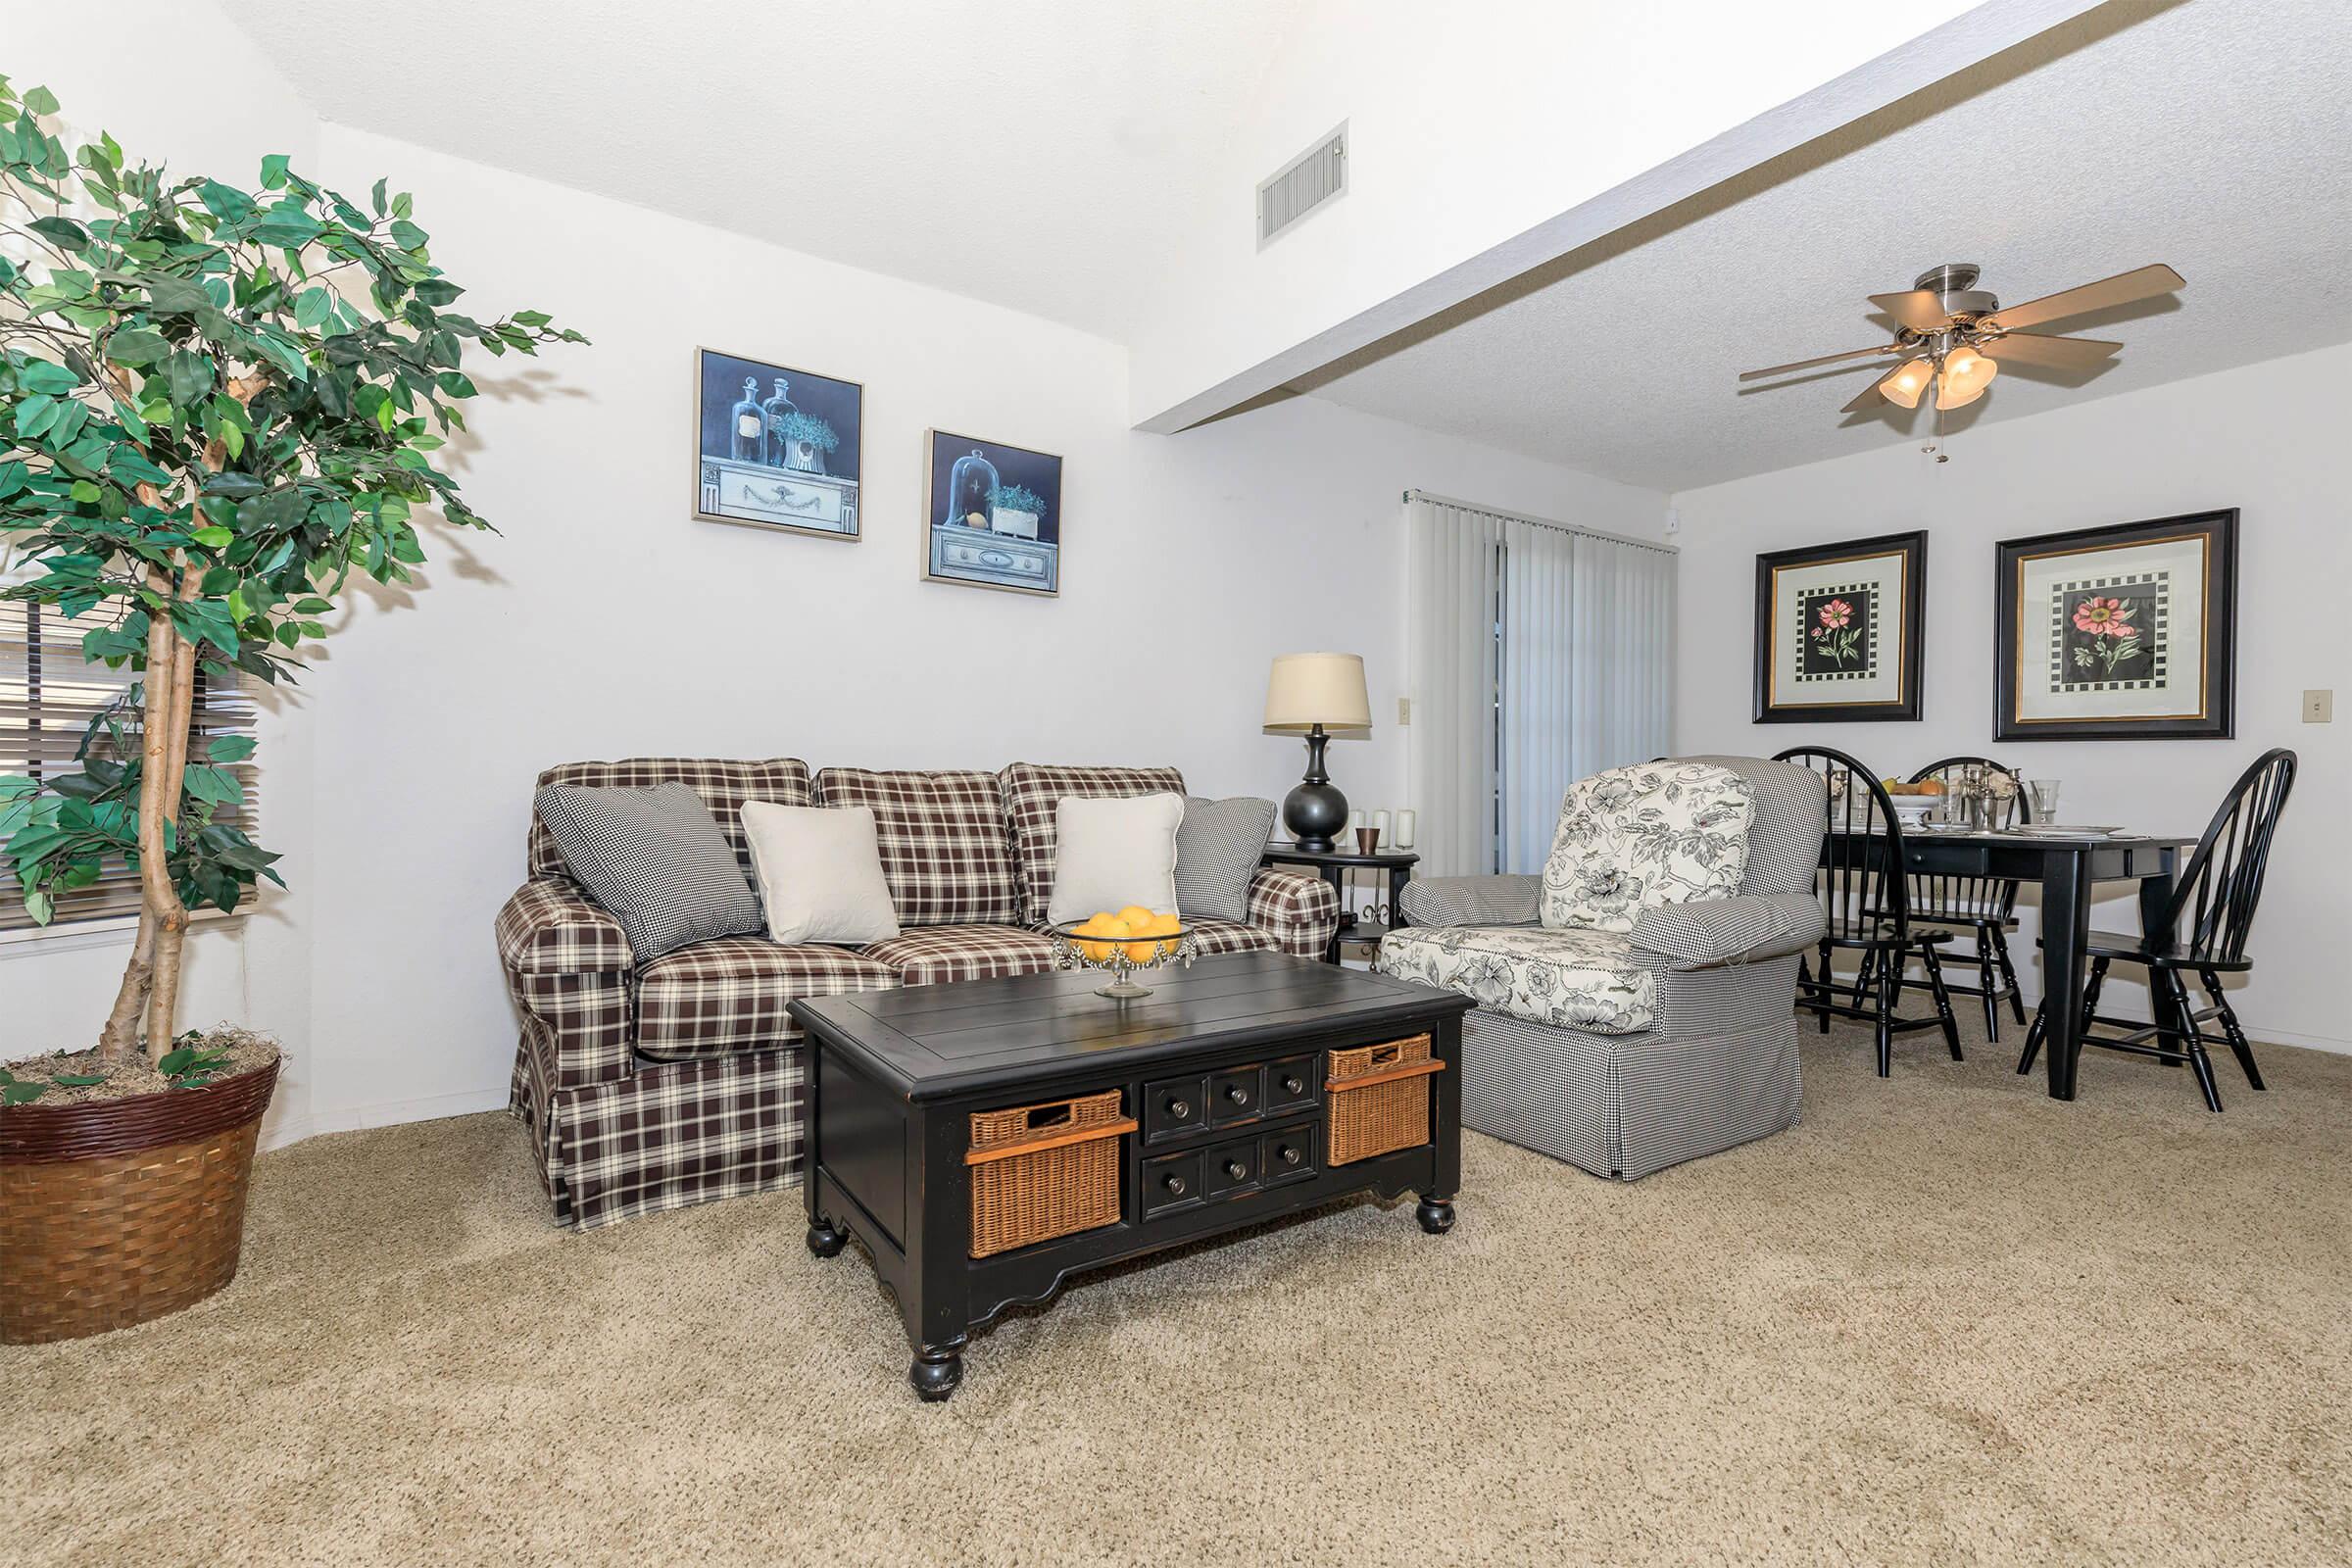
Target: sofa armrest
x=1301 y=913
x=568 y=970
x=1473 y=900
x=553 y=928
x=1735 y=930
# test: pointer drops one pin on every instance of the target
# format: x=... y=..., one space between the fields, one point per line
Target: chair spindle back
x=1994 y=898
x=2213 y=904
x=1862 y=881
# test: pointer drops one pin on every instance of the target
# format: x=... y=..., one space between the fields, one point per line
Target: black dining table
x=2068 y=864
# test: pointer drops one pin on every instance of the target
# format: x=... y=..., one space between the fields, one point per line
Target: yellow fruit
x=1136 y=915
x=1933 y=786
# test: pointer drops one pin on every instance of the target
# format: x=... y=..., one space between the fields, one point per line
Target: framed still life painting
x=1838 y=631
x=2125 y=632
x=775 y=447
x=992 y=514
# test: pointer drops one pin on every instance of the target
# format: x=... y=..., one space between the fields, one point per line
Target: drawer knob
x=1178 y=1110
x=1173 y=1183
x=1291 y=1084
x=1236 y=1171
x=1291 y=1154
x=1237 y=1094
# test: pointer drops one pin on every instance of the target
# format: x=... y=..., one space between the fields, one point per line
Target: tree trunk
x=170 y=915
x=120 y=1036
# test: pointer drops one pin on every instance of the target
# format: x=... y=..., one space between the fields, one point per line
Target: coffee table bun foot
x=825 y=1239
x=936 y=1373
x=1436 y=1214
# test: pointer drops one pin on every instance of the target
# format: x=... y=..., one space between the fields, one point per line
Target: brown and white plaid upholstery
x=939 y=954
x=669 y=1135
x=1299 y=912
x=1033 y=797
x=718 y=998
x=1213 y=937
x=553 y=928
x=942 y=836
x=722 y=784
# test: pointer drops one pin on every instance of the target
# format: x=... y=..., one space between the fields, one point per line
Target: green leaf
x=13 y=1093
x=63 y=232
x=39 y=101
x=213 y=538
x=136 y=345
x=231 y=748
x=453 y=384
x=39 y=375
x=407 y=236
x=273 y=172
x=213 y=784
x=173 y=295
x=77 y=1080
x=229 y=205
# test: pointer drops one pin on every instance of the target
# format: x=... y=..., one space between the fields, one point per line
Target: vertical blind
x=48 y=696
x=1539 y=653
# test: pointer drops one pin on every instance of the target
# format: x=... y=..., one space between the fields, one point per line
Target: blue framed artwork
x=992 y=514
x=775 y=447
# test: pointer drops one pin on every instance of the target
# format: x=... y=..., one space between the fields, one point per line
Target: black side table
x=1333 y=866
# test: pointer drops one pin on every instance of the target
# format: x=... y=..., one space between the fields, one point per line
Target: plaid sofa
x=647 y=1087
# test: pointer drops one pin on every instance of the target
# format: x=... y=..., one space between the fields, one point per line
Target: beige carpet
x=1946 y=1320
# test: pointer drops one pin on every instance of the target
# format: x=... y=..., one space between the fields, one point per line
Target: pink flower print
x=2104 y=618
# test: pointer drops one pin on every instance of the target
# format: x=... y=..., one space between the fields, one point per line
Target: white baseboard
x=294 y=1129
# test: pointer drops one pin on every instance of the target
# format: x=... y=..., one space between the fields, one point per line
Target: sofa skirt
x=1720 y=1070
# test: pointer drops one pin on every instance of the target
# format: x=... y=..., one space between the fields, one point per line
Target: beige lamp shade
x=1310 y=689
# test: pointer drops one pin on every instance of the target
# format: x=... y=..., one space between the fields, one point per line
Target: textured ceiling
x=2214 y=134
x=1022 y=153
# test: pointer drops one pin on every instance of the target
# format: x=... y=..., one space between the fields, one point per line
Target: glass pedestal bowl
x=1123 y=958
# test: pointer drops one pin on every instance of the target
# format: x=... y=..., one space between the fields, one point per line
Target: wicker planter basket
x=1379 y=1099
x=1042 y=1171
x=120 y=1210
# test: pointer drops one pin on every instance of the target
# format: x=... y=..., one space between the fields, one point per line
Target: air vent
x=1313 y=180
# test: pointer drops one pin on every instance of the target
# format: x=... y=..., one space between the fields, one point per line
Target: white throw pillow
x=820 y=871
x=1110 y=854
x=1644 y=837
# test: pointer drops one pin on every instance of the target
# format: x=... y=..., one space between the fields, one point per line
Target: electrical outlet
x=1404 y=710
x=2319 y=707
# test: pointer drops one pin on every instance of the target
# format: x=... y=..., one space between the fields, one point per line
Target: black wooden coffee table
x=1222 y=1069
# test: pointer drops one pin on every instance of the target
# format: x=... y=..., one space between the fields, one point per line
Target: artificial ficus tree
x=216 y=405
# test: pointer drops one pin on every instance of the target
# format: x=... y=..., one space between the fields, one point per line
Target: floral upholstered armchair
x=1635 y=1000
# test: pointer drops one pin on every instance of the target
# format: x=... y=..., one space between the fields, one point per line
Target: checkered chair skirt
x=942 y=836
x=1033 y=794
x=723 y=786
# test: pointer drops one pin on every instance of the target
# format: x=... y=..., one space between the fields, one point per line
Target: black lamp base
x=1315 y=811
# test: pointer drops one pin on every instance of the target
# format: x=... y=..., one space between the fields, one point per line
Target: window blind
x=48 y=696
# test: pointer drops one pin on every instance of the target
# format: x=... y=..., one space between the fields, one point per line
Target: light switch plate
x=2319 y=707
x=1404 y=710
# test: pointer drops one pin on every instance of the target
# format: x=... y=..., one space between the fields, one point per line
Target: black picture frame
x=2022 y=651
x=1861 y=632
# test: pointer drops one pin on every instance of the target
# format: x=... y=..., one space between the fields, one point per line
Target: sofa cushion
x=1217 y=848
x=820 y=871
x=1213 y=937
x=1032 y=794
x=942 y=838
x=1114 y=853
x=1784 y=837
x=940 y=953
x=722 y=784
x=653 y=857
x=1640 y=838
x=1573 y=978
x=717 y=997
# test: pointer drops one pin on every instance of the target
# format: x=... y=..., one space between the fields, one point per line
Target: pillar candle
x=1379 y=820
x=1405 y=823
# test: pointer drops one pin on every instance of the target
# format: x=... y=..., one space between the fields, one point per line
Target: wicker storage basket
x=115 y=1211
x=1048 y=1170
x=1379 y=1100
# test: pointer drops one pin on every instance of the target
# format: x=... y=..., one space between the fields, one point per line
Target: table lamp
x=1313 y=695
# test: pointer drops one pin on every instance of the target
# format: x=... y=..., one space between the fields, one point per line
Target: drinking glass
x=2046 y=800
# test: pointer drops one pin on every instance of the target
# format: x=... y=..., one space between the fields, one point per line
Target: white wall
x=153 y=82
x=2267 y=439
x=605 y=621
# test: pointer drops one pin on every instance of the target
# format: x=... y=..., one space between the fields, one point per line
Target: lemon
x=1136 y=915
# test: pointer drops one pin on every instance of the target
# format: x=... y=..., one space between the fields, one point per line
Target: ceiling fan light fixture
x=1904 y=383
x=1965 y=375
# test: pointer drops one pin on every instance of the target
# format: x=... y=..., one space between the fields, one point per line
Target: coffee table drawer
x=1229 y=1167
x=1171 y=1182
x=1291 y=1082
x=1288 y=1155
x=1175 y=1105
x=1234 y=1095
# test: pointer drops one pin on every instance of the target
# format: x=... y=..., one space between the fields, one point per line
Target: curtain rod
x=1541 y=523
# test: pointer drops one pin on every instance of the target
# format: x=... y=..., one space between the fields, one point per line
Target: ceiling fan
x=1952 y=335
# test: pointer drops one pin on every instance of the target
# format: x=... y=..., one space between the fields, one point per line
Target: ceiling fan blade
x=1826 y=358
x=2144 y=282
x=1921 y=309
x=2040 y=347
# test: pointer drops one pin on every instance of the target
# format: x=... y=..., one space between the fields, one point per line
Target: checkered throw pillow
x=942 y=838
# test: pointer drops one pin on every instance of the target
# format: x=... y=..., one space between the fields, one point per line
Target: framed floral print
x=1838 y=631
x=2125 y=632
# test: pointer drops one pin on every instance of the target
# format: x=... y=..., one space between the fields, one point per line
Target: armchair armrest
x=567 y=968
x=1473 y=900
x=553 y=928
x=1734 y=930
x=1301 y=913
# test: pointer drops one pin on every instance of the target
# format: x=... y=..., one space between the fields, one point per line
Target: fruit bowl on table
x=1120 y=947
